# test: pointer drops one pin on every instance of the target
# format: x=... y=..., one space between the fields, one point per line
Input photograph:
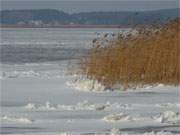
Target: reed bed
x=152 y=56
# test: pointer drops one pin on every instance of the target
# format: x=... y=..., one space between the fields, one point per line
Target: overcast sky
x=90 y=5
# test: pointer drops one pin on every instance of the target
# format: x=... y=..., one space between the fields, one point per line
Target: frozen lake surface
x=36 y=100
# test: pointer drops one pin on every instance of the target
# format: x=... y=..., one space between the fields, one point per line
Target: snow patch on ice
x=15 y=119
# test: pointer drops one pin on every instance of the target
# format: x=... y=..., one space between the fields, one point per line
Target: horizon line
x=92 y=11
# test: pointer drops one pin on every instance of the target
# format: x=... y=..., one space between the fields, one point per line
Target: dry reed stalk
x=152 y=56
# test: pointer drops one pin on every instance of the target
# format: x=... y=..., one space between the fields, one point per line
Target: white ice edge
x=82 y=83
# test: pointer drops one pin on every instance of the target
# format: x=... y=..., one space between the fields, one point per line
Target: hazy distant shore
x=64 y=26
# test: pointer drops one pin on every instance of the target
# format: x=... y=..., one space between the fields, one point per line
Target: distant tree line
x=55 y=17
